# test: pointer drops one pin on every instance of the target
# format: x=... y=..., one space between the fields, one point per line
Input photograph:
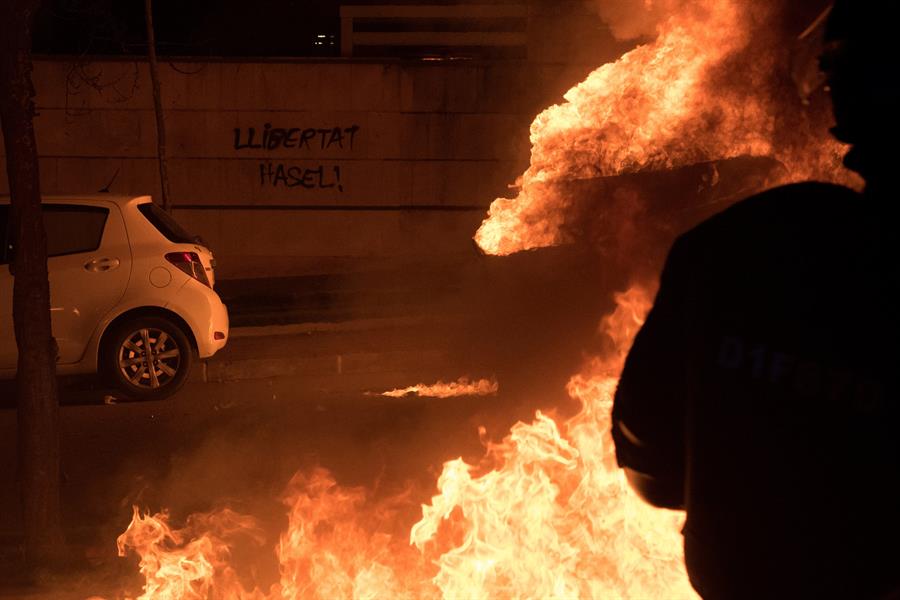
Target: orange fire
x=190 y=563
x=552 y=516
x=340 y=544
x=547 y=514
x=461 y=387
x=661 y=105
x=555 y=517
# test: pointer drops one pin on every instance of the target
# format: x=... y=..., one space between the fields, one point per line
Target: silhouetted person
x=761 y=394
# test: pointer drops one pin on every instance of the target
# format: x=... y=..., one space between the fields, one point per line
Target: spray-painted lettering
x=311 y=138
x=319 y=177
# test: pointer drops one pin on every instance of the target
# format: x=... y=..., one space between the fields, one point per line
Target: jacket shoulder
x=787 y=206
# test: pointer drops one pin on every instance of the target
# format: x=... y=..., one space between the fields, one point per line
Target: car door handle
x=99 y=265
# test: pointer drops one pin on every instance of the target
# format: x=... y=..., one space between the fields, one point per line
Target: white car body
x=126 y=275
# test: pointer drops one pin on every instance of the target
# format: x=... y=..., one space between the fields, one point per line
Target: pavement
x=298 y=385
x=467 y=312
x=475 y=316
x=336 y=297
x=332 y=325
x=300 y=376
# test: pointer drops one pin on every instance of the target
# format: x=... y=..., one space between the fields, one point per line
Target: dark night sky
x=200 y=27
x=187 y=28
x=237 y=27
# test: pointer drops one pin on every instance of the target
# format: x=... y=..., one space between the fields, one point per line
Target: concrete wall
x=400 y=159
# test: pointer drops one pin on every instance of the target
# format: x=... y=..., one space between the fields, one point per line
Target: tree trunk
x=157 y=106
x=38 y=409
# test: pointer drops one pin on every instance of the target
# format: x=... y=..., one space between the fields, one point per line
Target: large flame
x=555 y=517
x=547 y=514
x=662 y=105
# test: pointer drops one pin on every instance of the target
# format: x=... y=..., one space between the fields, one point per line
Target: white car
x=131 y=293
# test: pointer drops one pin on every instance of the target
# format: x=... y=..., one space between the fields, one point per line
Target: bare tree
x=157 y=105
x=36 y=386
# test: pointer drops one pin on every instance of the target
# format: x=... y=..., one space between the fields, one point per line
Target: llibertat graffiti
x=303 y=141
x=308 y=138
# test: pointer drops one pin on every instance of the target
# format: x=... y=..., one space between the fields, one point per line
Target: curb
x=331 y=363
x=334 y=365
x=329 y=327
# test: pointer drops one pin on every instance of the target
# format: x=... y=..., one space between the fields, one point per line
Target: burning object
x=461 y=387
x=708 y=88
x=547 y=513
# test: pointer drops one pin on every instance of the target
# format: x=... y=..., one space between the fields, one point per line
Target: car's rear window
x=73 y=229
x=165 y=224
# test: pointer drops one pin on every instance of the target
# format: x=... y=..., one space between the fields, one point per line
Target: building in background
x=310 y=137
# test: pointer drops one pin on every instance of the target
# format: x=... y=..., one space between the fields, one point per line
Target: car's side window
x=4 y=226
x=73 y=229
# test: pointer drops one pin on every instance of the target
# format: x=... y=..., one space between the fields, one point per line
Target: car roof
x=118 y=199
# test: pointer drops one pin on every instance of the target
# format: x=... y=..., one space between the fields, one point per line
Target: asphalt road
x=280 y=401
x=237 y=444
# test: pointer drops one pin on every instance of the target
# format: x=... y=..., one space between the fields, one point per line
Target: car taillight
x=189 y=262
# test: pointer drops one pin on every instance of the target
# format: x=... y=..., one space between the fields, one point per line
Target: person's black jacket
x=761 y=395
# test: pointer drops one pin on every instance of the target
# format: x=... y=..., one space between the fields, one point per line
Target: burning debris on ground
x=642 y=149
x=703 y=112
x=461 y=387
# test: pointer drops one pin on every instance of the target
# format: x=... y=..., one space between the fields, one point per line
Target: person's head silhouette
x=860 y=62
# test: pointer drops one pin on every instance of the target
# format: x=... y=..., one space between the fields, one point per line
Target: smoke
x=538 y=311
x=632 y=19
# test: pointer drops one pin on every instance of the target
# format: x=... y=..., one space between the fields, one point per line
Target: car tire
x=137 y=375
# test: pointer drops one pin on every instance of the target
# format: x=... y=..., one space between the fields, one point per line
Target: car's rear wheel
x=147 y=358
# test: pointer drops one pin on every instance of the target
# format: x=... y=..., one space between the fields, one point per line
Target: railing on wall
x=435 y=30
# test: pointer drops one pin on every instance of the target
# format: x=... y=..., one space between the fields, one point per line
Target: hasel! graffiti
x=276 y=174
x=292 y=175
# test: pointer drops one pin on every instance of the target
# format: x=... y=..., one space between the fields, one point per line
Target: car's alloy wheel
x=149 y=357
